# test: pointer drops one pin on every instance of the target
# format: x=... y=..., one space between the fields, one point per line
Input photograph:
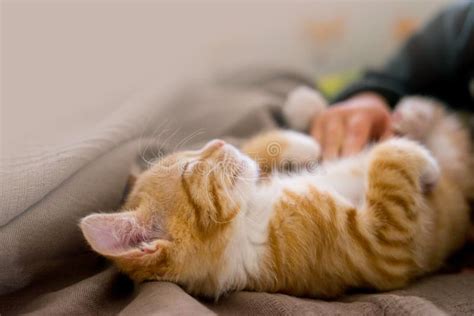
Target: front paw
x=414 y=117
x=412 y=156
x=301 y=151
x=430 y=174
x=301 y=106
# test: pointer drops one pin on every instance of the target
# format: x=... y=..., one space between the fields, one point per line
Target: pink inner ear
x=113 y=234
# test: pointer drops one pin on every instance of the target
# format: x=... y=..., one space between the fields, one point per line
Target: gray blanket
x=46 y=267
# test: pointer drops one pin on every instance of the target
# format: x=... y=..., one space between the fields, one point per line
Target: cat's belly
x=349 y=187
x=345 y=177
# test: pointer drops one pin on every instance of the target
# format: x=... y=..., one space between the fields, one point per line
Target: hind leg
x=415 y=117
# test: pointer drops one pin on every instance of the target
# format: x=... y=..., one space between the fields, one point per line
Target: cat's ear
x=119 y=234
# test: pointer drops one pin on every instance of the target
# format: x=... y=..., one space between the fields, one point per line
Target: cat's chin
x=246 y=167
x=250 y=171
x=243 y=171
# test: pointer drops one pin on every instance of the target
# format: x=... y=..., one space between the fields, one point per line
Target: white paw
x=430 y=171
x=430 y=174
x=301 y=148
x=301 y=106
x=413 y=117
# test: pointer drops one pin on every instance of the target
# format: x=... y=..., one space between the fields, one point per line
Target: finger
x=316 y=132
x=388 y=133
x=332 y=137
x=317 y=128
x=388 y=130
x=357 y=135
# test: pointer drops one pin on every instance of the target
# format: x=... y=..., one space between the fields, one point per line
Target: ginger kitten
x=218 y=219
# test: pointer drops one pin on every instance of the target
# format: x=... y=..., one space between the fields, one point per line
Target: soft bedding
x=46 y=267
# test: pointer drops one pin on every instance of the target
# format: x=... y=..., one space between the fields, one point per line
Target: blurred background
x=67 y=64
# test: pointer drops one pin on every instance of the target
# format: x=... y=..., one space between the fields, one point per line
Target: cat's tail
x=427 y=121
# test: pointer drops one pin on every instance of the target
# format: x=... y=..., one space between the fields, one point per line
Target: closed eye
x=189 y=165
x=185 y=168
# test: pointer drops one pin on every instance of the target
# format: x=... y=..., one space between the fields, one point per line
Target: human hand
x=346 y=127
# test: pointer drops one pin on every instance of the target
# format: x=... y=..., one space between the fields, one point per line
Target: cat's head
x=178 y=218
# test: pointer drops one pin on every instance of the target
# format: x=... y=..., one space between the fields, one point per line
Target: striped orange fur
x=208 y=221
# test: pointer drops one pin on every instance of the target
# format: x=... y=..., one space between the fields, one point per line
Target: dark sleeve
x=431 y=62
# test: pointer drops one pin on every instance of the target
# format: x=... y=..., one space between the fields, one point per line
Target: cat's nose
x=213 y=145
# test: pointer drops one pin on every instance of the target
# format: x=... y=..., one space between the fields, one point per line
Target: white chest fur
x=247 y=246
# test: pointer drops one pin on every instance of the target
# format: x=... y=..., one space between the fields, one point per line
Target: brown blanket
x=46 y=267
